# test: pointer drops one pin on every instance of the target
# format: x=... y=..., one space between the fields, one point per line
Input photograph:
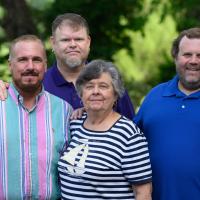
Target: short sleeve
x=136 y=162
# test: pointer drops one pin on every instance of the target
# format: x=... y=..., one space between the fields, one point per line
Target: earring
x=115 y=104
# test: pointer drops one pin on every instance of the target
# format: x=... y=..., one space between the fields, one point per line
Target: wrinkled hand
x=77 y=113
x=3 y=90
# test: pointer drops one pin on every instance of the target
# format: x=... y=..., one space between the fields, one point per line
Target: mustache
x=30 y=72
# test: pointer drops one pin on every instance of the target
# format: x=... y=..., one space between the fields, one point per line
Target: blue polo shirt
x=171 y=122
x=55 y=84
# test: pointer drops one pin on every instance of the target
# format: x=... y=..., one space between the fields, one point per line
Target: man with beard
x=71 y=45
x=70 y=42
x=34 y=127
x=169 y=118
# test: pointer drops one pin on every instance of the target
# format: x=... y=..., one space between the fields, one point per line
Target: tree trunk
x=17 y=20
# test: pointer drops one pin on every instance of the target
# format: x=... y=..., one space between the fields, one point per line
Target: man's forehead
x=29 y=43
x=191 y=45
x=22 y=46
x=185 y=41
x=27 y=48
x=72 y=28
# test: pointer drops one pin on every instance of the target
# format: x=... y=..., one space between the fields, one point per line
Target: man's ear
x=52 y=42
x=45 y=65
x=9 y=65
x=89 y=38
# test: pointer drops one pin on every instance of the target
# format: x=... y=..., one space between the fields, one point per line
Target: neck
x=69 y=74
x=29 y=98
x=185 y=90
x=29 y=102
x=101 y=121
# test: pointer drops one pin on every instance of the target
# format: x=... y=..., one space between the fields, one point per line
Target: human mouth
x=96 y=100
x=30 y=73
x=73 y=52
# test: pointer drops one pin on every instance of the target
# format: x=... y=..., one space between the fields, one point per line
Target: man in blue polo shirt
x=71 y=45
x=170 y=119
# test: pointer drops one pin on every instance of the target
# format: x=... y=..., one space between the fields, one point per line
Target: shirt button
x=183 y=106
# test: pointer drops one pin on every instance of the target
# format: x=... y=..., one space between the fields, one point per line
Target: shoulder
x=158 y=89
x=157 y=92
x=153 y=100
x=49 y=71
x=124 y=97
x=56 y=100
x=78 y=122
x=124 y=106
x=48 y=77
x=127 y=127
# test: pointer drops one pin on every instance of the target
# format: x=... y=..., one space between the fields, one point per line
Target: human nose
x=72 y=43
x=30 y=64
x=194 y=59
x=96 y=90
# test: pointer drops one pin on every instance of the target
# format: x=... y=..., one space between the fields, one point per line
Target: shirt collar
x=19 y=99
x=173 y=90
x=57 y=76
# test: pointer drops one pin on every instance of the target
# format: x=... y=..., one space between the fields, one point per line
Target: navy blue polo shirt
x=171 y=122
x=55 y=84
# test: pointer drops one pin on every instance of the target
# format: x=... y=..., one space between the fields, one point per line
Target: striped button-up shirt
x=30 y=145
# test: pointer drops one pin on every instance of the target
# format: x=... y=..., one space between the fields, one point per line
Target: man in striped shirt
x=34 y=126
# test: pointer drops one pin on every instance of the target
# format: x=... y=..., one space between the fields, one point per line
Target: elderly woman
x=107 y=157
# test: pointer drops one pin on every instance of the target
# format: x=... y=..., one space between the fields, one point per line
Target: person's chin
x=96 y=108
x=192 y=79
x=30 y=86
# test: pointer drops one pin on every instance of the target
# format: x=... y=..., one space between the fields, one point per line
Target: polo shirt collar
x=173 y=90
x=19 y=99
x=57 y=76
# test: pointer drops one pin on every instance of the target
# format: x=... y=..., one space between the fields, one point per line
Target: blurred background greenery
x=135 y=34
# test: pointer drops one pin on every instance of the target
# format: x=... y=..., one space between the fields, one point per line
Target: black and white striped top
x=104 y=165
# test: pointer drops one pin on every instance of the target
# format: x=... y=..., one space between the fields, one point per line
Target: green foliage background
x=135 y=34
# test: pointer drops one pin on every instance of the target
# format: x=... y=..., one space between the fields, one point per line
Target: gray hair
x=70 y=19
x=94 y=70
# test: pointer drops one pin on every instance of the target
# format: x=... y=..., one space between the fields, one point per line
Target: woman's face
x=98 y=94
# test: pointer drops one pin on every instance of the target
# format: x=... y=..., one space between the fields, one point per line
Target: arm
x=143 y=191
x=3 y=90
